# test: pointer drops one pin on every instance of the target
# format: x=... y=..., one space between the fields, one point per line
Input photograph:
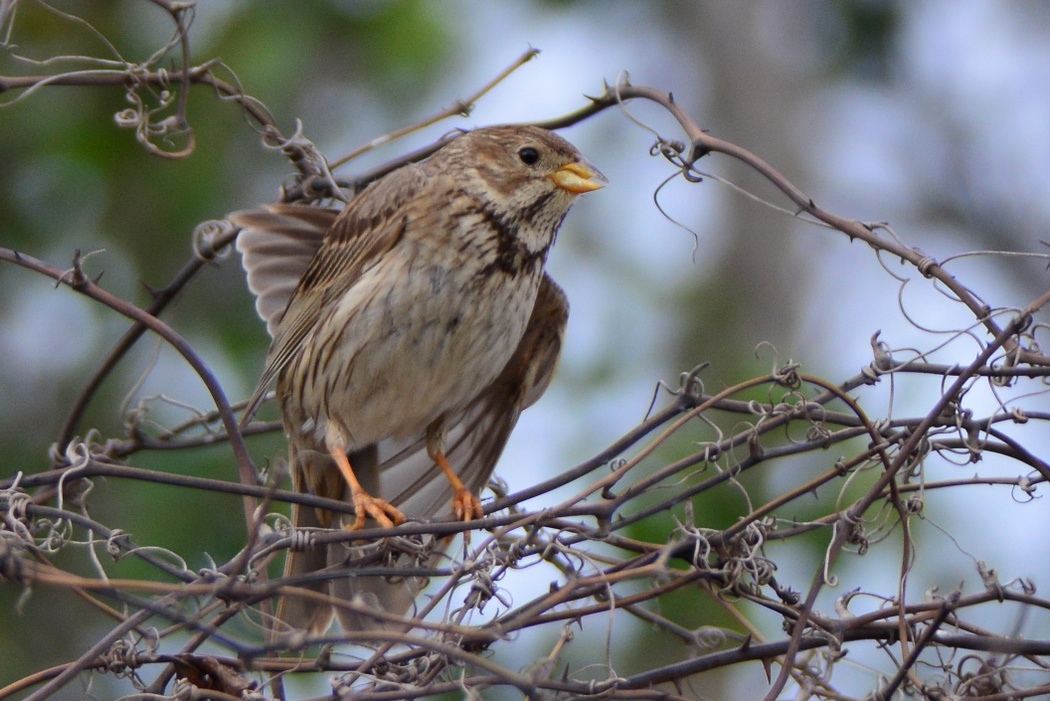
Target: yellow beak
x=578 y=178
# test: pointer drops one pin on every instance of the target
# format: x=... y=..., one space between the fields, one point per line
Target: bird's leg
x=465 y=505
x=382 y=511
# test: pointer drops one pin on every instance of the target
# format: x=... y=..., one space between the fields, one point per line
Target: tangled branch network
x=627 y=544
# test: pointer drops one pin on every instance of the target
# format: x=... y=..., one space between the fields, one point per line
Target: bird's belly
x=410 y=353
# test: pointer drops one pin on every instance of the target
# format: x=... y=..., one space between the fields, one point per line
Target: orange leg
x=465 y=505
x=382 y=511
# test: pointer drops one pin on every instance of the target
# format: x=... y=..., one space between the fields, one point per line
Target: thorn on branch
x=786 y=594
x=461 y=108
x=75 y=277
x=808 y=207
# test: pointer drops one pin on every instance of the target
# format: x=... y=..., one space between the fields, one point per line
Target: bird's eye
x=529 y=155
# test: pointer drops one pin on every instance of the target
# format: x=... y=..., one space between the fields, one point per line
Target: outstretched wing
x=277 y=243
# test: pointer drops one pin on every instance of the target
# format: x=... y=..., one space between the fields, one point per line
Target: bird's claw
x=385 y=513
x=466 y=506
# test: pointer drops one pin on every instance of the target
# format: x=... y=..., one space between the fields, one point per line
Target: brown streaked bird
x=409 y=332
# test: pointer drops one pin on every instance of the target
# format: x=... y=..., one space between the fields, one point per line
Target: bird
x=409 y=331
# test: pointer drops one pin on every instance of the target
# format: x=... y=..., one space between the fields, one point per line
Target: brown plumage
x=409 y=332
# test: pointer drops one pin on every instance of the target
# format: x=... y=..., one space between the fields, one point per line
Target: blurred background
x=933 y=116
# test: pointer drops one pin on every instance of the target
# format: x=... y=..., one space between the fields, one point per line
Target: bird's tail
x=361 y=585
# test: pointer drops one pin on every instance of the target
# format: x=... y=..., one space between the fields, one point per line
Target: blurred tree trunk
x=758 y=290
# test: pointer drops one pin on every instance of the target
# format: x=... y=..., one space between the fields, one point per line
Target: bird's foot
x=466 y=506
x=365 y=505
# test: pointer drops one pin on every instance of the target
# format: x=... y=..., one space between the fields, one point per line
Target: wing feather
x=277 y=243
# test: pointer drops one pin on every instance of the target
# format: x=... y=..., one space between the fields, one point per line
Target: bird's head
x=530 y=175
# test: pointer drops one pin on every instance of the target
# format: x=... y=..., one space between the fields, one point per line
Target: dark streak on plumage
x=341 y=244
x=512 y=256
x=533 y=211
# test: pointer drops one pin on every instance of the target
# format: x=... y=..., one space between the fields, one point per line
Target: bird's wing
x=479 y=432
x=277 y=243
x=359 y=237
